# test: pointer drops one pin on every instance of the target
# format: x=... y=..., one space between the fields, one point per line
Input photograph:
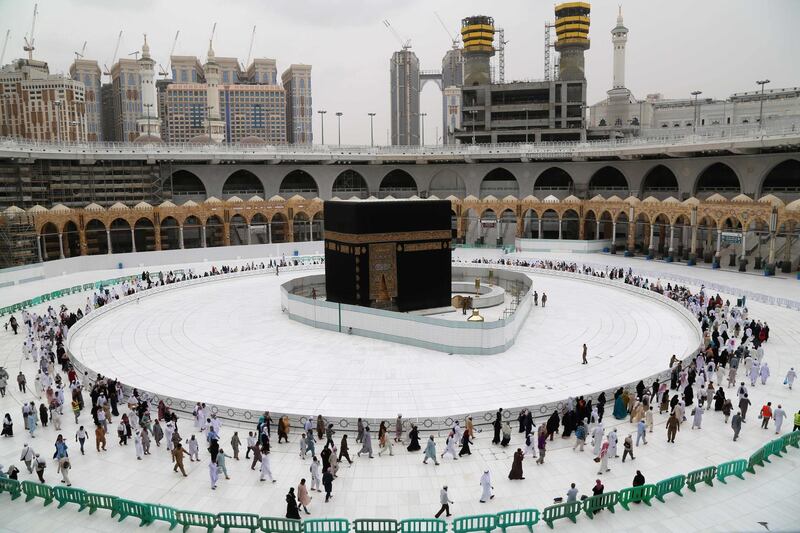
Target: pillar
x=559 y=229
x=157 y=235
x=540 y=228
x=671 y=240
x=631 y=238
x=652 y=244
x=133 y=240
x=597 y=230
x=719 y=244
x=614 y=237
x=311 y=230
x=39 y=248
x=203 y=235
x=108 y=240
x=269 y=232
x=180 y=235
x=82 y=241
x=693 y=248
x=248 y=234
x=226 y=233
x=786 y=266
x=744 y=242
x=61 y=246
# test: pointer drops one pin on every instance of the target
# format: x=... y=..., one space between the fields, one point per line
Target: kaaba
x=392 y=254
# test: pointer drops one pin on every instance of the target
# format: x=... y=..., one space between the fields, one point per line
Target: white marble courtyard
x=211 y=343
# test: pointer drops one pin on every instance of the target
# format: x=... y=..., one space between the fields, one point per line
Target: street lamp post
x=761 y=104
x=474 y=112
x=322 y=121
x=422 y=116
x=696 y=114
x=371 y=136
x=339 y=125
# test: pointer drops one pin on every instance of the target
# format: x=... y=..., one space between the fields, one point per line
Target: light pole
x=371 y=137
x=696 y=114
x=474 y=112
x=322 y=121
x=339 y=125
x=422 y=116
x=761 y=104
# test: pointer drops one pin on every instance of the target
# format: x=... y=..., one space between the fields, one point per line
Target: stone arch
x=259 y=229
x=244 y=184
x=121 y=238
x=192 y=232
x=300 y=182
x=447 y=182
x=215 y=232
x=187 y=186
x=555 y=181
x=301 y=227
x=660 y=182
x=399 y=184
x=499 y=182
x=717 y=178
x=144 y=235
x=318 y=226
x=471 y=224
x=96 y=239
x=169 y=231
x=72 y=239
x=489 y=231
x=350 y=183
x=608 y=179
x=49 y=236
x=590 y=232
x=570 y=224
x=238 y=230
x=530 y=224
x=508 y=226
x=550 y=224
x=280 y=227
x=782 y=179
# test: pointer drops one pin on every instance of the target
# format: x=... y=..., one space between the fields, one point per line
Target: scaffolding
x=17 y=240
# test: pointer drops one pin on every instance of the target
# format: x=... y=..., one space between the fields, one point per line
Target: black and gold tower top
x=572 y=38
x=477 y=33
x=388 y=254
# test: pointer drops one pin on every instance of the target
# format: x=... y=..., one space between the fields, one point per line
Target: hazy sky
x=674 y=46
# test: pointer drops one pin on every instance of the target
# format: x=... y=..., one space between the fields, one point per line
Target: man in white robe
x=597 y=439
x=137 y=442
x=266 y=472
x=778 y=415
x=486 y=487
x=697 y=421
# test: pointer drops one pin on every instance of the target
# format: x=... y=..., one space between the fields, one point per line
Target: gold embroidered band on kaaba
x=402 y=236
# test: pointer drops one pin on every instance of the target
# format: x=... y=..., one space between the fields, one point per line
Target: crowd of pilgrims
x=731 y=340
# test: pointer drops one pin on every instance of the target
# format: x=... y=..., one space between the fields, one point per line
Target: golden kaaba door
x=382 y=271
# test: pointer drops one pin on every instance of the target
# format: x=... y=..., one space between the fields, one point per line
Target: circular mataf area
x=227 y=342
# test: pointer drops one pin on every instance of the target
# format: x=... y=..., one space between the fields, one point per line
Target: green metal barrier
x=792 y=439
x=774 y=447
x=642 y=493
x=731 y=468
x=11 y=486
x=230 y=521
x=375 y=525
x=97 y=501
x=126 y=508
x=701 y=475
x=672 y=484
x=423 y=525
x=593 y=504
x=756 y=459
x=569 y=510
x=480 y=522
x=326 y=525
x=163 y=513
x=518 y=517
x=65 y=495
x=280 y=525
x=37 y=490
x=197 y=519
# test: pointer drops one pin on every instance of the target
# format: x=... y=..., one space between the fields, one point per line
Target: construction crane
x=453 y=37
x=29 y=42
x=106 y=71
x=213 y=31
x=405 y=43
x=250 y=50
x=549 y=73
x=79 y=55
x=162 y=71
x=501 y=53
x=5 y=44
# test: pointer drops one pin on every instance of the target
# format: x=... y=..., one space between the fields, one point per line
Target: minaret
x=213 y=123
x=619 y=36
x=148 y=125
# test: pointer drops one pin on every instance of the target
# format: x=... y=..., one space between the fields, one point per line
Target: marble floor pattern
x=401 y=486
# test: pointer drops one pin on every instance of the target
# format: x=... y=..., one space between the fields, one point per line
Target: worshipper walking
x=430 y=452
x=445 y=500
x=291 y=505
x=580 y=436
x=627 y=448
x=486 y=487
x=8 y=426
x=673 y=426
x=465 y=442
x=585 y=362
x=736 y=424
x=343 y=451
x=697 y=420
x=177 y=456
x=213 y=472
x=413 y=436
x=327 y=482
x=765 y=415
x=516 y=465
x=778 y=415
x=315 y=469
x=266 y=471
x=542 y=445
x=398 y=429
x=303 y=498
x=366 y=446
x=603 y=459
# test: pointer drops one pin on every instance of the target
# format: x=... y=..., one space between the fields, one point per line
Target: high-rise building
x=87 y=71
x=262 y=71
x=40 y=106
x=452 y=81
x=572 y=39
x=126 y=99
x=477 y=33
x=404 y=93
x=299 y=110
